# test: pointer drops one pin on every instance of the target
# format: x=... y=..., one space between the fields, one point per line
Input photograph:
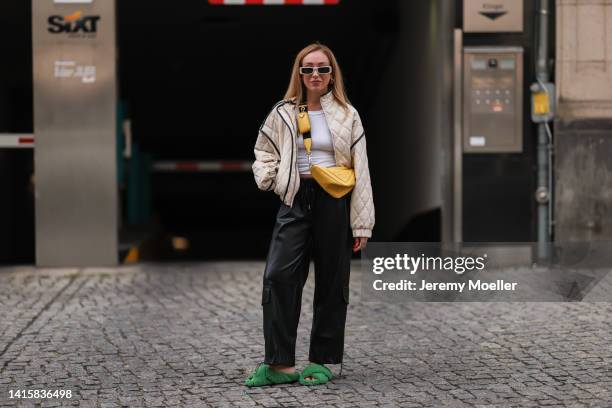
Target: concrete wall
x=583 y=127
x=584 y=58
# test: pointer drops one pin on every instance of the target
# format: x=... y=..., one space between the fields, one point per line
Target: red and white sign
x=14 y=140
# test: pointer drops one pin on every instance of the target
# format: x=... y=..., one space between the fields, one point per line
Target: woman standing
x=310 y=222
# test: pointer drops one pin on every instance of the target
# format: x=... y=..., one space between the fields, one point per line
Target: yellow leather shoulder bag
x=338 y=180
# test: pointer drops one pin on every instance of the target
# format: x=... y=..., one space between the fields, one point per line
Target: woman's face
x=316 y=82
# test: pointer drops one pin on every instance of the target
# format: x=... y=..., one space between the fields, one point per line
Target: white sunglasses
x=320 y=70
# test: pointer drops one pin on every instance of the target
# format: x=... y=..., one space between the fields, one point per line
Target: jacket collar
x=327 y=98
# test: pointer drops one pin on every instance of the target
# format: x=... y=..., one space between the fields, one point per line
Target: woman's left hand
x=359 y=243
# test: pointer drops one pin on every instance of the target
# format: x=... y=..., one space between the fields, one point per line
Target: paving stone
x=189 y=334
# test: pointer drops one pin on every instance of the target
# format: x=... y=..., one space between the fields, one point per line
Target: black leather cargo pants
x=316 y=226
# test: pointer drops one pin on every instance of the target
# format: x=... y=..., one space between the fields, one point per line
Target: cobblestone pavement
x=189 y=334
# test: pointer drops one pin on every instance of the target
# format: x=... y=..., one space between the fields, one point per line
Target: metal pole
x=457 y=145
x=543 y=142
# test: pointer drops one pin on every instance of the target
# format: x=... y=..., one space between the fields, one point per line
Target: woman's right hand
x=359 y=243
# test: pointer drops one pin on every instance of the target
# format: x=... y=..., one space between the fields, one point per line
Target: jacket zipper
x=292 y=147
x=297 y=180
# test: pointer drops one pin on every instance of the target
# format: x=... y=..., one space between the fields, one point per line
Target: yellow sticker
x=540 y=103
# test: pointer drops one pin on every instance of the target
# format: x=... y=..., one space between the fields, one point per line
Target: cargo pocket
x=265 y=295
x=345 y=294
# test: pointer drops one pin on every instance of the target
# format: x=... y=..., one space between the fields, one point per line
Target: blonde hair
x=296 y=87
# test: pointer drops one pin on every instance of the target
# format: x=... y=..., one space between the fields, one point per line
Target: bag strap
x=303 y=110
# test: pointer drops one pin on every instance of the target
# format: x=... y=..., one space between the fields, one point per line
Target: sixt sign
x=73 y=24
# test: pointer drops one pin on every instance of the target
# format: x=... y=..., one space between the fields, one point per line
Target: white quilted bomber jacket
x=275 y=166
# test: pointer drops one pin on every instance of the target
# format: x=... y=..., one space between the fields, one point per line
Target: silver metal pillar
x=457 y=221
x=544 y=168
x=75 y=92
x=446 y=44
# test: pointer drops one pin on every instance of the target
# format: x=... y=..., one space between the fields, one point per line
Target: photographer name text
x=425 y=286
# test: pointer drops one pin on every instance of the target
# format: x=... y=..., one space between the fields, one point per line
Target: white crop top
x=322 y=151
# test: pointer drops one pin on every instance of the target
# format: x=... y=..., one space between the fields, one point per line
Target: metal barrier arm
x=16 y=141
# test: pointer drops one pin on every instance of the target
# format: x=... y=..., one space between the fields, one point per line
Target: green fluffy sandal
x=264 y=375
x=320 y=373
